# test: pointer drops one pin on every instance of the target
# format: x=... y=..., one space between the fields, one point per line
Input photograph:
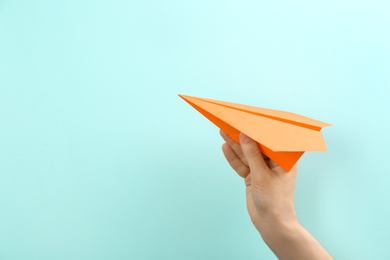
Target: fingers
x=234 y=161
x=253 y=155
x=276 y=168
x=272 y=164
x=235 y=146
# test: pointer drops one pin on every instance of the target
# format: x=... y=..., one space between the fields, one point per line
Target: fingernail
x=244 y=138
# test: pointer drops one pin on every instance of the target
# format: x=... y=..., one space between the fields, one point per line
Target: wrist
x=277 y=222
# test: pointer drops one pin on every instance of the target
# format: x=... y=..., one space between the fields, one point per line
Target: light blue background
x=100 y=159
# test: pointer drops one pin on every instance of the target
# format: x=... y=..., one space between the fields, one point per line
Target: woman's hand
x=270 y=200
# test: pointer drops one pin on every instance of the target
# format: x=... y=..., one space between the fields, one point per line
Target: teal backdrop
x=100 y=159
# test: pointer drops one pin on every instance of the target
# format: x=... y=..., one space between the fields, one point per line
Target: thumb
x=251 y=150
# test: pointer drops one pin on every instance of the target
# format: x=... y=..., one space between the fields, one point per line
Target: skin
x=270 y=200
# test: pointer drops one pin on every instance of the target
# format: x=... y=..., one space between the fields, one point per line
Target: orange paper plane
x=282 y=136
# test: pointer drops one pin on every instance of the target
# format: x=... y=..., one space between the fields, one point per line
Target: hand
x=269 y=188
x=270 y=200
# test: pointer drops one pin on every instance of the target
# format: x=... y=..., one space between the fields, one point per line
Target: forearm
x=289 y=240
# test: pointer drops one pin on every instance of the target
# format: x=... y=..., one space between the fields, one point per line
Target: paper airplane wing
x=282 y=136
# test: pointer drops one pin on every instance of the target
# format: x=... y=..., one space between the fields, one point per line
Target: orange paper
x=282 y=136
